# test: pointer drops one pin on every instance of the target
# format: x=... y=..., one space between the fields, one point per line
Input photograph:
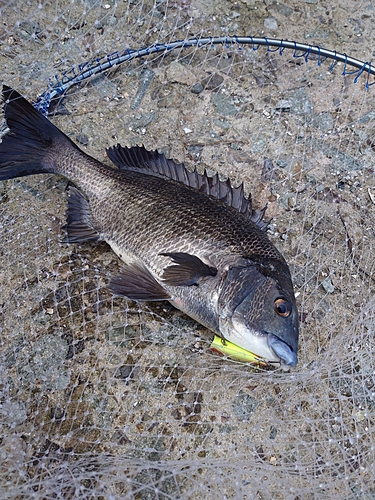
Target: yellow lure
x=233 y=351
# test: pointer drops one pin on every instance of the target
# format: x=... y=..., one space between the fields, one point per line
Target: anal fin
x=79 y=226
x=137 y=283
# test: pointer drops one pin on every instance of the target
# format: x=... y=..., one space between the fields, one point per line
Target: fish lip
x=282 y=350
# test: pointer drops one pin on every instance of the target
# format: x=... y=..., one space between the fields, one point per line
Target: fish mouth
x=282 y=350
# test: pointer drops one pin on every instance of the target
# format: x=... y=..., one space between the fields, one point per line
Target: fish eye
x=282 y=307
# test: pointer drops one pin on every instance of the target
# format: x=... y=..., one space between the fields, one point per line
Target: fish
x=183 y=237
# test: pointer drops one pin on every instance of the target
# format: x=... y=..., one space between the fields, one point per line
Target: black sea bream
x=184 y=237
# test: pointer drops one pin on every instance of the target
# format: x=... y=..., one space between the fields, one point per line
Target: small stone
x=110 y=21
x=44 y=365
x=58 y=109
x=270 y=23
x=224 y=105
x=222 y=124
x=197 y=88
x=318 y=34
x=30 y=27
x=273 y=432
x=82 y=139
x=178 y=73
x=284 y=105
x=268 y=170
x=141 y=121
x=105 y=87
x=29 y=30
x=300 y=103
x=281 y=163
x=323 y=121
x=145 y=78
x=359 y=416
x=13 y=412
x=327 y=285
x=338 y=158
x=291 y=202
x=212 y=82
x=258 y=143
x=244 y=406
x=280 y=8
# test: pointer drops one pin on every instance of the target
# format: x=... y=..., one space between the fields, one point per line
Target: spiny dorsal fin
x=155 y=163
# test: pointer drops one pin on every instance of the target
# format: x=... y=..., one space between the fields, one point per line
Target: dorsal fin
x=155 y=163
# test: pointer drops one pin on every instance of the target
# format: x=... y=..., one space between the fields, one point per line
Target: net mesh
x=107 y=398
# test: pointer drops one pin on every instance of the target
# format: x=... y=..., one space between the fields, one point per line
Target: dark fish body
x=184 y=237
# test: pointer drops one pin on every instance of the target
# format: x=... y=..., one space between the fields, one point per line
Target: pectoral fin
x=188 y=270
x=137 y=283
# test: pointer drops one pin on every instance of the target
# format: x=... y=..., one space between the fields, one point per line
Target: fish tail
x=26 y=149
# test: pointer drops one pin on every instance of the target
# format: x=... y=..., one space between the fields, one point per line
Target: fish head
x=257 y=312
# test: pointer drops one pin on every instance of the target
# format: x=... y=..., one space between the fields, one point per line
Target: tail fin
x=23 y=150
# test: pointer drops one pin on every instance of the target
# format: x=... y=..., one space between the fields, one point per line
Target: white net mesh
x=108 y=398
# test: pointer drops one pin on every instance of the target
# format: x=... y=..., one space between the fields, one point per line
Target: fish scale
x=184 y=237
